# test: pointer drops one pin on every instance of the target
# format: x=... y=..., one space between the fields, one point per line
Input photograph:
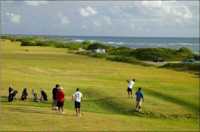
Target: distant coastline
x=132 y=42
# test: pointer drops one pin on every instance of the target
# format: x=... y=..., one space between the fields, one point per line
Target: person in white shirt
x=77 y=96
x=130 y=87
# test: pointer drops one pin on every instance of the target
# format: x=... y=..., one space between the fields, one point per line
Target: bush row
x=153 y=54
x=183 y=67
x=124 y=54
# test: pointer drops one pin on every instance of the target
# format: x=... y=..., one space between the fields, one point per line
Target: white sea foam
x=113 y=43
x=78 y=40
x=181 y=44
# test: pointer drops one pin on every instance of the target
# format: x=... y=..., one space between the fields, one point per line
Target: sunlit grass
x=169 y=95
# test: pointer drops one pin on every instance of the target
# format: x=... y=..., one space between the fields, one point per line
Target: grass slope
x=171 y=97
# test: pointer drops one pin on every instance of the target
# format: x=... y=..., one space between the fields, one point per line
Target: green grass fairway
x=171 y=97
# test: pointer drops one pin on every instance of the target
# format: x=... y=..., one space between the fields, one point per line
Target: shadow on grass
x=21 y=106
x=28 y=102
x=197 y=75
x=112 y=105
x=37 y=111
x=25 y=110
x=3 y=98
x=105 y=105
x=172 y=99
x=123 y=105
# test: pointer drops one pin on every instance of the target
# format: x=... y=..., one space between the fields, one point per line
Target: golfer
x=77 y=96
x=130 y=87
x=139 y=100
x=60 y=97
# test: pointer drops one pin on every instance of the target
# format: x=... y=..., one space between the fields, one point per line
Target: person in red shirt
x=60 y=97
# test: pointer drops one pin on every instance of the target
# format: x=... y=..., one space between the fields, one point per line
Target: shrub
x=97 y=45
x=73 y=45
x=148 y=54
x=97 y=55
x=184 y=53
x=197 y=57
x=86 y=44
x=152 y=54
x=60 y=45
x=27 y=43
x=11 y=38
x=183 y=67
x=127 y=60
x=122 y=51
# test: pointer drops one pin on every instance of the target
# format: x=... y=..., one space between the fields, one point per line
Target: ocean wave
x=183 y=44
x=78 y=40
x=114 y=43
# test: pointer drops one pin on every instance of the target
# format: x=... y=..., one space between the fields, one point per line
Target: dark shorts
x=60 y=104
x=129 y=89
x=77 y=104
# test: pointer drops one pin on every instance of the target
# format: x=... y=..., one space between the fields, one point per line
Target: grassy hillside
x=171 y=97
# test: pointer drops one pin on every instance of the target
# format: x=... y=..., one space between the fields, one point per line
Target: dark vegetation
x=121 y=54
x=97 y=45
x=183 y=67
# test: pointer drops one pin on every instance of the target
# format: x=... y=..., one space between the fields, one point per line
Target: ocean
x=140 y=42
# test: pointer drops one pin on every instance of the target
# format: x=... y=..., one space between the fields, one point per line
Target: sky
x=101 y=18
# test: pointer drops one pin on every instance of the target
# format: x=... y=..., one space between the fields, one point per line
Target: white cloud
x=14 y=18
x=63 y=19
x=88 y=11
x=84 y=27
x=91 y=10
x=177 y=11
x=166 y=10
x=96 y=23
x=36 y=3
x=83 y=12
x=107 y=19
x=178 y=14
x=132 y=25
x=151 y=4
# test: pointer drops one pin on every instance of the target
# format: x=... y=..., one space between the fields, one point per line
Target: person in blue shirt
x=139 y=99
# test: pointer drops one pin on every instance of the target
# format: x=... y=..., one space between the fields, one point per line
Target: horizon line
x=103 y=36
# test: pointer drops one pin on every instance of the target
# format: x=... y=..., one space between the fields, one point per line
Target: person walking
x=139 y=99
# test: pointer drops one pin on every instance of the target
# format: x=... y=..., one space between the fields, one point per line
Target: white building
x=100 y=51
x=81 y=50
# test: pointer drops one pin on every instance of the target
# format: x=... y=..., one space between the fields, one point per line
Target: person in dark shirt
x=24 y=94
x=139 y=99
x=10 y=89
x=12 y=93
x=54 y=92
x=43 y=96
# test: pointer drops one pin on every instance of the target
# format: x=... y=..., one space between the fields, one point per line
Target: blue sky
x=101 y=18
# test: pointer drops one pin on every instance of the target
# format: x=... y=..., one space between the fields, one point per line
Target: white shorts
x=139 y=103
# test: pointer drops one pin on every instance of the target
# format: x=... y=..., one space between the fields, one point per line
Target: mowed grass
x=171 y=97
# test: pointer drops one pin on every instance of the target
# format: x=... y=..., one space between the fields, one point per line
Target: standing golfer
x=54 y=92
x=77 y=101
x=139 y=99
x=130 y=87
x=60 y=97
